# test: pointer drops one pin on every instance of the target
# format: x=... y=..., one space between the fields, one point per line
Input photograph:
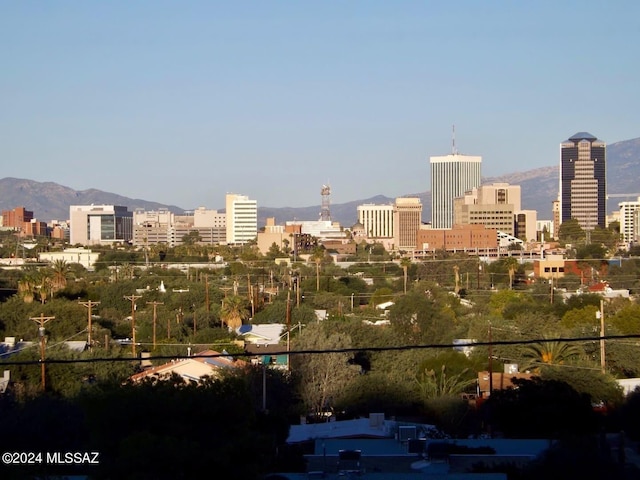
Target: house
x=262 y=334
x=274 y=356
x=498 y=381
x=379 y=448
x=204 y=364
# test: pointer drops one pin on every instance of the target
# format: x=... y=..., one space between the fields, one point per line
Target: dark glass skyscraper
x=583 y=180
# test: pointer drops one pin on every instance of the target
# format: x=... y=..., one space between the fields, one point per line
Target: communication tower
x=325 y=213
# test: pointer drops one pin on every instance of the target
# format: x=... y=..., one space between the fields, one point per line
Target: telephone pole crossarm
x=40 y=321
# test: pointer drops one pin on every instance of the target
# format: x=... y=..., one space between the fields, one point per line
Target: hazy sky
x=181 y=102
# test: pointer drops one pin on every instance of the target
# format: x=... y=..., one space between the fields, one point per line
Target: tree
x=60 y=271
x=234 y=311
x=317 y=256
x=405 y=263
x=570 y=231
x=554 y=352
x=323 y=376
x=553 y=409
x=274 y=251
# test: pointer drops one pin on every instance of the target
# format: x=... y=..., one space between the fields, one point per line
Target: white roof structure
x=262 y=334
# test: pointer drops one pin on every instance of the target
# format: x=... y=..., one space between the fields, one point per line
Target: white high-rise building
x=242 y=219
x=628 y=214
x=377 y=220
x=451 y=176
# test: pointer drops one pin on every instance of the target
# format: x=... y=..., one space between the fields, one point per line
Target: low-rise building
x=100 y=224
x=458 y=238
x=84 y=257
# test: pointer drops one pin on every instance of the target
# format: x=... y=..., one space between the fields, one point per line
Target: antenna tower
x=453 y=140
x=325 y=213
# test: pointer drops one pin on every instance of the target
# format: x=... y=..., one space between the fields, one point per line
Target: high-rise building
x=628 y=216
x=242 y=219
x=407 y=219
x=377 y=220
x=451 y=176
x=583 y=181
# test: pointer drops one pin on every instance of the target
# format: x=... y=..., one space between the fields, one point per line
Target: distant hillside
x=49 y=200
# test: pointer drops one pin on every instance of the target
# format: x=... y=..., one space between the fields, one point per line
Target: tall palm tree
x=317 y=256
x=60 y=271
x=405 y=263
x=234 y=311
x=44 y=285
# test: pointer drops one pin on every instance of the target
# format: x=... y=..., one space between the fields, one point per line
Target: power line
x=432 y=346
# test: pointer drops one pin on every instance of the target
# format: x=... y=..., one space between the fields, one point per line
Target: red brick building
x=460 y=237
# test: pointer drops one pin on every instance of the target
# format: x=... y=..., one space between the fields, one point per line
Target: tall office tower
x=377 y=220
x=583 y=181
x=451 y=176
x=242 y=219
x=407 y=218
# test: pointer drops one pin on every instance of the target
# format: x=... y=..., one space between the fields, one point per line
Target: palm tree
x=234 y=311
x=60 y=272
x=44 y=285
x=405 y=263
x=317 y=256
x=26 y=288
x=512 y=265
x=550 y=352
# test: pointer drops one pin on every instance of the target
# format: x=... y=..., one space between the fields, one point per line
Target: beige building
x=526 y=225
x=555 y=209
x=273 y=234
x=84 y=257
x=164 y=227
x=496 y=206
x=100 y=224
x=407 y=219
x=493 y=206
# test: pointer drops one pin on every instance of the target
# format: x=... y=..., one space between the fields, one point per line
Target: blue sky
x=181 y=102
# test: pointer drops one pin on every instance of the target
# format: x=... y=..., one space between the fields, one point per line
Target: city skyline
x=183 y=103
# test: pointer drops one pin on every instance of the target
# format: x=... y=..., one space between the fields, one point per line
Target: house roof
x=264 y=333
x=201 y=365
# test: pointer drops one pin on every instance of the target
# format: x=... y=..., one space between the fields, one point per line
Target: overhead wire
x=330 y=350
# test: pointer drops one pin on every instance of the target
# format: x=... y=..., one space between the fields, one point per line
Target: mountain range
x=539 y=187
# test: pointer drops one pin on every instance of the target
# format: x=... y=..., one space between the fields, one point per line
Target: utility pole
x=89 y=306
x=155 y=318
x=288 y=327
x=195 y=322
x=490 y=361
x=600 y=316
x=206 y=292
x=40 y=321
x=132 y=299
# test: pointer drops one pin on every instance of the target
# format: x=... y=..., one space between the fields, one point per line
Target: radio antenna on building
x=453 y=140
